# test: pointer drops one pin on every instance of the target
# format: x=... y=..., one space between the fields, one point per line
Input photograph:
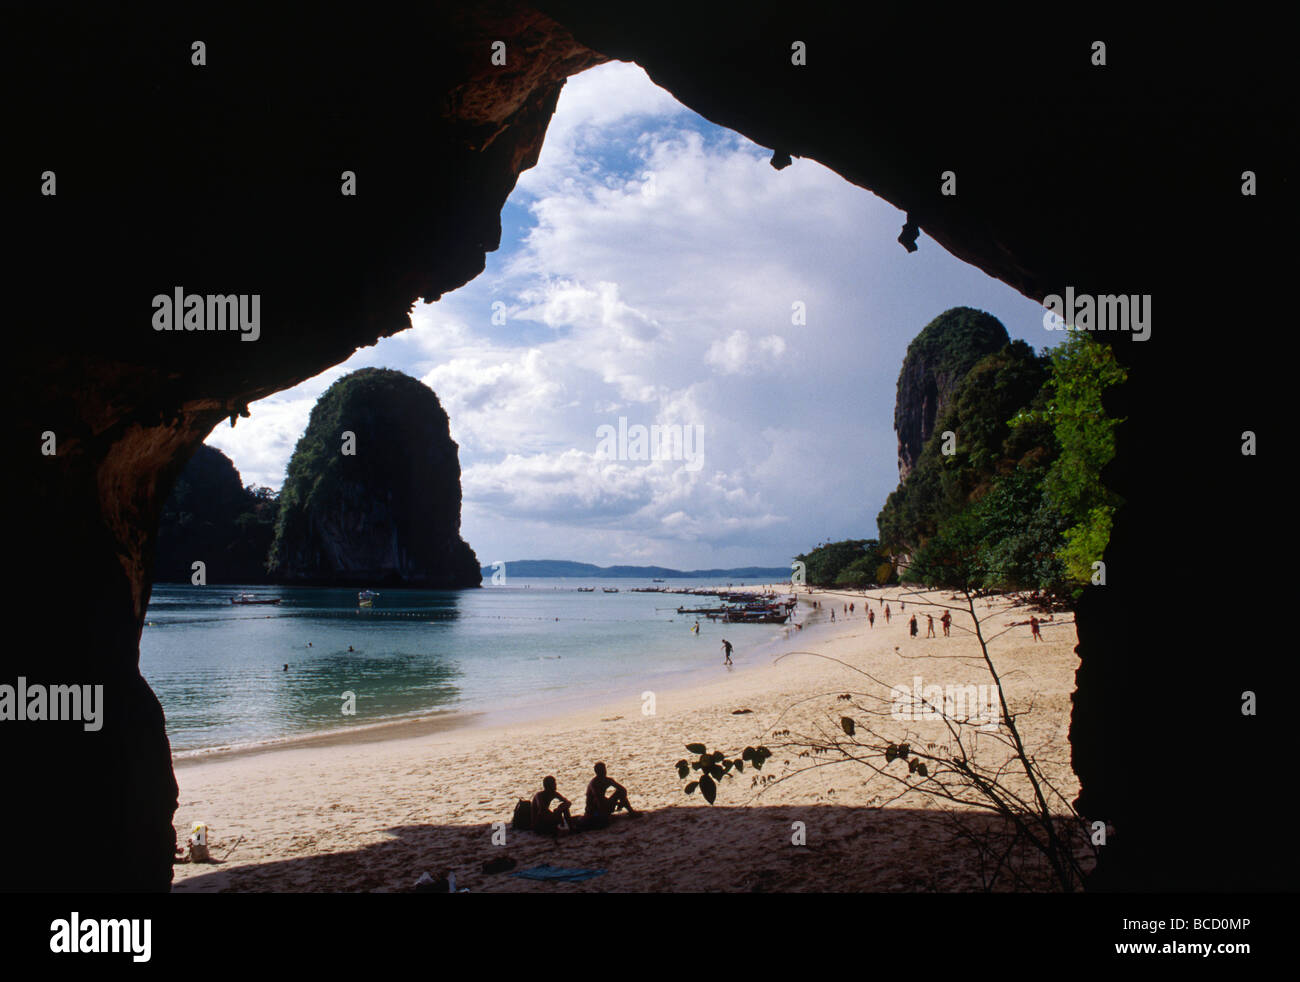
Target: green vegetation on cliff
x=211 y=517
x=1000 y=457
x=1020 y=503
x=372 y=492
x=851 y=563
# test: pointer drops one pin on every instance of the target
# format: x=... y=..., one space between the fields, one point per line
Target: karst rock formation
x=372 y=495
x=225 y=179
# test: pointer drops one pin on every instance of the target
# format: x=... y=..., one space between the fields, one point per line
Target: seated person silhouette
x=601 y=806
x=544 y=819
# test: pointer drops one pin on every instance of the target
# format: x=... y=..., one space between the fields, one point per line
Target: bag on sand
x=523 y=818
x=199 y=844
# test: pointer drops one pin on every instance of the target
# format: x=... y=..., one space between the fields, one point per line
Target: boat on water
x=756 y=617
x=248 y=598
x=610 y=589
x=366 y=598
x=586 y=589
x=656 y=581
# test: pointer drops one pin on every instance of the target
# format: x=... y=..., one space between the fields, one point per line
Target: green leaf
x=696 y=748
x=904 y=749
x=708 y=789
x=920 y=769
x=846 y=724
x=716 y=772
x=749 y=753
x=690 y=788
x=740 y=767
x=683 y=770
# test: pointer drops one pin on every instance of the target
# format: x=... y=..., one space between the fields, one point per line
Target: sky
x=651 y=268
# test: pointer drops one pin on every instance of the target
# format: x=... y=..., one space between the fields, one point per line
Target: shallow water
x=219 y=669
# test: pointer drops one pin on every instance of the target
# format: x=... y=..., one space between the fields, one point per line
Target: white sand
x=358 y=816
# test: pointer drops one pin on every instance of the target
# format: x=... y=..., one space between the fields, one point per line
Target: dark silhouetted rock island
x=387 y=514
x=210 y=517
x=937 y=359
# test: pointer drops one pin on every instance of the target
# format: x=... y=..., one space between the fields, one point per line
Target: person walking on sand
x=871 y=617
x=726 y=651
x=832 y=615
x=886 y=613
x=929 y=627
x=946 y=620
x=1033 y=624
x=911 y=627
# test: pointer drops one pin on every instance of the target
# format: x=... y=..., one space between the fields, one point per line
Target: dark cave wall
x=225 y=179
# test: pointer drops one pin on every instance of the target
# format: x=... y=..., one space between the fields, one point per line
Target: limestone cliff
x=937 y=360
x=211 y=517
x=372 y=494
x=1123 y=177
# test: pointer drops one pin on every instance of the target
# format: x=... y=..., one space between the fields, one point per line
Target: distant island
x=371 y=498
x=542 y=568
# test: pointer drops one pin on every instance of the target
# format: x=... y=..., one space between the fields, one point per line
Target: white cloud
x=738 y=354
x=656 y=282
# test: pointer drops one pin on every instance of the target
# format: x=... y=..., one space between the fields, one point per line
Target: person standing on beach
x=912 y=626
x=929 y=627
x=871 y=617
x=946 y=620
x=886 y=613
x=1033 y=624
x=832 y=615
x=726 y=651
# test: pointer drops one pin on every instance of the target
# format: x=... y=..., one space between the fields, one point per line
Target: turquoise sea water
x=219 y=669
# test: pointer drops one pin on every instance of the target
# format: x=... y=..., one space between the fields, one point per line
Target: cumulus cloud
x=651 y=270
x=738 y=354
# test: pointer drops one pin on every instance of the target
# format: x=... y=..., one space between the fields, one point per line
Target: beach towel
x=547 y=872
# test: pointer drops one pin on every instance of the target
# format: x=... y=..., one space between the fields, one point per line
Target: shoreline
x=435 y=721
x=336 y=813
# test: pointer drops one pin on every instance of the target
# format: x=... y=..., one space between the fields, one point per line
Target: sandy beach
x=372 y=814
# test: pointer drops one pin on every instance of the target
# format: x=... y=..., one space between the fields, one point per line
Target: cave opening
x=655 y=273
x=339 y=273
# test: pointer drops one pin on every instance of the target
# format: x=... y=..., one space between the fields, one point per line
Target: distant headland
x=564 y=568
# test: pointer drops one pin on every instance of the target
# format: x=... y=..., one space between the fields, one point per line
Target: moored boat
x=248 y=598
